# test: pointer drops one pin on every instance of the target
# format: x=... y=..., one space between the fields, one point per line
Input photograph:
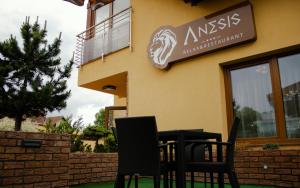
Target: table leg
x=180 y=172
x=220 y=159
x=171 y=161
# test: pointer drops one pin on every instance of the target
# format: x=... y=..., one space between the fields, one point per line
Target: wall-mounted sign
x=222 y=29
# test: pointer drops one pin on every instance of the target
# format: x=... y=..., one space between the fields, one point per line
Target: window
x=108 y=30
x=266 y=96
x=119 y=5
x=102 y=13
x=110 y=9
x=121 y=19
x=251 y=89
x=289 y=68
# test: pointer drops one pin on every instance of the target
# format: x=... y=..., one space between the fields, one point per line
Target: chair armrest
x=208 y=145
x=166 y=144
x=207 y=142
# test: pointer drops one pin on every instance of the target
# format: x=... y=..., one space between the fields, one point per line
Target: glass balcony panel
x=106 y=37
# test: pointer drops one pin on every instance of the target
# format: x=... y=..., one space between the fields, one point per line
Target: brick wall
x=92 y=167
x=268 y=167
x=45 y=167
x=283 y=167
x=53 y=165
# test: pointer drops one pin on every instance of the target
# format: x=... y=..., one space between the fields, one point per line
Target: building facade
x=199 y=66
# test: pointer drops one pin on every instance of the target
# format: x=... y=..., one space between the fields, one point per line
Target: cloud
x=88 y=112
x=62 y=17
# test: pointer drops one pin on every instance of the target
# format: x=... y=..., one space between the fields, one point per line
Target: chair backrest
x=194 y=152
x=231 y=139
x=138 y=149
x=114 y=131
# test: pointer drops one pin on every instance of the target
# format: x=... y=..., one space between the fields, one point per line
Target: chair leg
x=233 y=179
x=210 y=158
x=156 y=181
x=165 y=177
x=136 y=179
x=205 y=179
x=211 y=174
x=165 y=159
x=192 y=179
x=129 y=181
x=171 y=179
x=120 y=181
x=171 y=161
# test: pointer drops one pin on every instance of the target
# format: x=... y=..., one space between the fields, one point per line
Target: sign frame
x=229 y=27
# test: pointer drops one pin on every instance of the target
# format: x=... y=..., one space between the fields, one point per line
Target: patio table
x=180 y=136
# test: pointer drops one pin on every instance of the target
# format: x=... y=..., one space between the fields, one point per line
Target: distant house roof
x=42 y=120
x=38 y=120
x=54 y=119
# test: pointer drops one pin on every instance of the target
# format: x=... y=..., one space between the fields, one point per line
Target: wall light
x=109 y=88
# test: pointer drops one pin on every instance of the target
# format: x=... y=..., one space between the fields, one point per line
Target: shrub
x=111 y=143
x=270 y=146
x=100 y=148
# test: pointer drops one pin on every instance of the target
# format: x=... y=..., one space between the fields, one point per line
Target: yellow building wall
x=191 y=93
x=8 y=124
x=120 y=101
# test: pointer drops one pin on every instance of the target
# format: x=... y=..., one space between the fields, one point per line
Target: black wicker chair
x=226 y=166
x=192 y=152
x=114 y=131
x=195 y=152
x=139 y=150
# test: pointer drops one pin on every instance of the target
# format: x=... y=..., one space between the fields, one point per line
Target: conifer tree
x=32 y=79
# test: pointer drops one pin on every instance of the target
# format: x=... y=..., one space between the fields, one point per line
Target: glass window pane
x=121 y=20
x=253 y=101
x=102 y=13
x=289 y=67
x=101 y=39
x=119 y=5
x=120 y=28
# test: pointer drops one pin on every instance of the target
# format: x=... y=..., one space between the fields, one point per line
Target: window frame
x=281 y=136
x=91 y=14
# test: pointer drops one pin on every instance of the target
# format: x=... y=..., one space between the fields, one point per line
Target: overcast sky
x=62 y=17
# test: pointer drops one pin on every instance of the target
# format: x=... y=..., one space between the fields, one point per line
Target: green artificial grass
x=148 y=183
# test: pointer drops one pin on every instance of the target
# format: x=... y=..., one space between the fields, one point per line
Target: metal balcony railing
x=110 y=35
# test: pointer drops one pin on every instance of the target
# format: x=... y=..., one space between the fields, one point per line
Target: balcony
x=108 y=36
